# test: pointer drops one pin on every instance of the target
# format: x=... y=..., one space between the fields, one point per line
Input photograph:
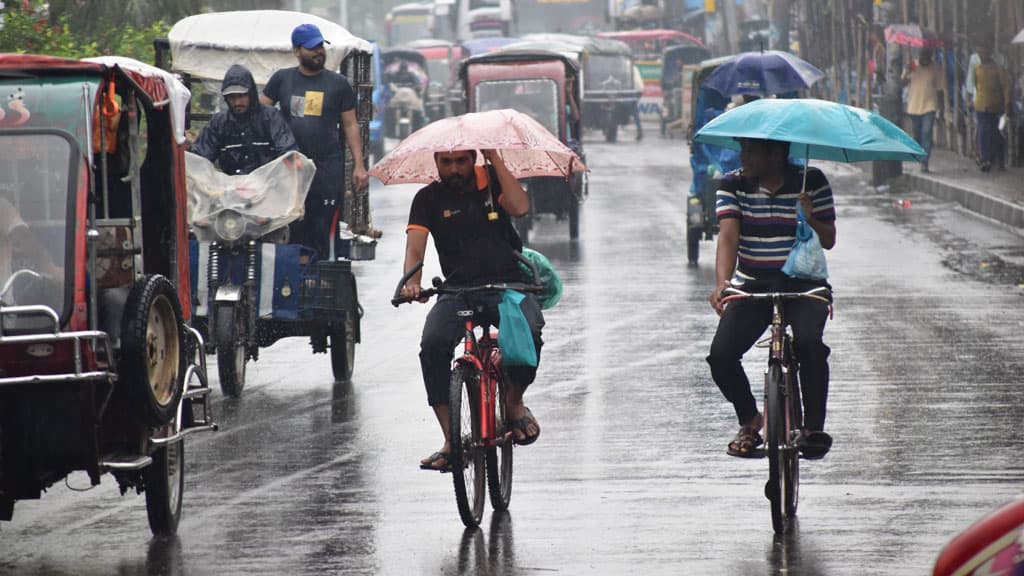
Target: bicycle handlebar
x=440 y=288
x=820 y=293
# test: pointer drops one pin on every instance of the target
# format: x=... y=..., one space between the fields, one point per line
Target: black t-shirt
x=472 y=249
x=312 y=105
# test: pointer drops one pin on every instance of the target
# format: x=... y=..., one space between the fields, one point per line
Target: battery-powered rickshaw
x=538 y=83
x=442 y=59
x=707 y=162
x=677 y=68
x=101 y=371
x=609 y=96
x=648 y=46
x=251 y=287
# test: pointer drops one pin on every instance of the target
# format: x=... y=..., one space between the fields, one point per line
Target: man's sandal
x=432 y=463
x=747 y=444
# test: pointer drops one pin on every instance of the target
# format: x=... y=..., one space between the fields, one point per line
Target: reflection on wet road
x=630 y=475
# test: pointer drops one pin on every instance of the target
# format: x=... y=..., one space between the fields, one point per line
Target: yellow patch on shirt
x=314 y=103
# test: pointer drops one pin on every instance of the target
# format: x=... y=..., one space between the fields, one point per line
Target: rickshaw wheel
x=165 y=484
x=343 y=349
x=231 y=354
x=153 y=350
x=611 y=131
x=693 y=235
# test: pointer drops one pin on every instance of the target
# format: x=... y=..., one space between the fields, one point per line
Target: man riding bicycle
x=757 y=207
x=468 y=212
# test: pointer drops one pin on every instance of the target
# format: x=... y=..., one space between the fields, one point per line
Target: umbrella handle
x=492 y=214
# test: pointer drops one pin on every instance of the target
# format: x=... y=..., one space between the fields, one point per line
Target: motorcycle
x=406 y=110
x=253 y=287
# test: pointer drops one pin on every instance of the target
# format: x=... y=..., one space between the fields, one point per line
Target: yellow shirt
x=993 y=88
x=925 y=84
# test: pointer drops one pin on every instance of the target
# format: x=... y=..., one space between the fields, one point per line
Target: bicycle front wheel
x=499 y=458
x=467 y=447
x=782 y=462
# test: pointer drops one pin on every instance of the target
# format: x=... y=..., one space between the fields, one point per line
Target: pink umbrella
x=526 y=146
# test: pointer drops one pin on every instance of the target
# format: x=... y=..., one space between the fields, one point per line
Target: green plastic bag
x=514 y=336
x=549 y=278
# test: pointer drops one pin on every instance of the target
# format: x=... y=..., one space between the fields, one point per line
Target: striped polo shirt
x=768 y=221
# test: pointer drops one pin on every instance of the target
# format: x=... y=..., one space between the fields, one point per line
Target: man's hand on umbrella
x=492 y=156
x=806 y=204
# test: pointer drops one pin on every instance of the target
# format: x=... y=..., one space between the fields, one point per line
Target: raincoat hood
x=239 y=75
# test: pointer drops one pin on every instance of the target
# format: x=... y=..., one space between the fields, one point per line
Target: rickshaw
x=707 y=162
x=534 y=82
x=251 y=289
x=606 y=66
x=442 y=59
x=404 y=111
x=101 y=370
x=609 y=96
x=676 y=78
x=648 y=46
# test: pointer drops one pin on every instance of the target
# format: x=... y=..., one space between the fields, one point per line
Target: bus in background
x=482 y=18
x=648 y=46
x=564 y=16
x=409 y=22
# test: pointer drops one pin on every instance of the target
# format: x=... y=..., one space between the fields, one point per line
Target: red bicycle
x=479 y=435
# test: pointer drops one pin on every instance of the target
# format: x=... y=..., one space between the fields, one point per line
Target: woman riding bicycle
x=756 y=209
x=468 y=212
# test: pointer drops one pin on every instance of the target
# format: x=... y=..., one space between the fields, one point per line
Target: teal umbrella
x=815 y=129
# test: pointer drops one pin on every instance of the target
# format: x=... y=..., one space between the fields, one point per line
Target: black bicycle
x=782 y=405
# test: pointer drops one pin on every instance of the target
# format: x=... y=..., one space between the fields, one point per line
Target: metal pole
x=343 y=13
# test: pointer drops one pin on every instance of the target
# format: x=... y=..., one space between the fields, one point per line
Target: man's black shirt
x=472 y=249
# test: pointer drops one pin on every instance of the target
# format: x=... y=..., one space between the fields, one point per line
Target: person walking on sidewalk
x=991 y=99
x=926 y=84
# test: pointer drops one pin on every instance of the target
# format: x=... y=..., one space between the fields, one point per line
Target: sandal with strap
x=747 y=444
x=814 y=444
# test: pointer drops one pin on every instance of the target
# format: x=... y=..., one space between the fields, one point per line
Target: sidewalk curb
x=973 y=200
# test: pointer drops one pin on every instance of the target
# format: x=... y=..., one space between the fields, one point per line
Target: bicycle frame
x=782 y=403
x=485 y=356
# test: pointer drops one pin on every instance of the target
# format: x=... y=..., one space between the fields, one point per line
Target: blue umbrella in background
x=816 y=129
x=763 y=74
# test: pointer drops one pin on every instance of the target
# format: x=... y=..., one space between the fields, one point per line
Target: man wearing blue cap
x=318 y=104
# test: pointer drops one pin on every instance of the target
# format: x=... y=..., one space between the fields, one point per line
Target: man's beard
x=459 y=182
x=312 y=63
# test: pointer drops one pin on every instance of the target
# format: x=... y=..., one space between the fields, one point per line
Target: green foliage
x=31 y=33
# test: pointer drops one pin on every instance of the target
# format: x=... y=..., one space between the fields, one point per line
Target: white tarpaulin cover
x=266 y=199
x=206 y=45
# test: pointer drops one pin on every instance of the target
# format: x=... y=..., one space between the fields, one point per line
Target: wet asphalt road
x=630 y=474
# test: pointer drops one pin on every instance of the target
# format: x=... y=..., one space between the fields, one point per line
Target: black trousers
x=740 y=326
x=325 y=198
x=444 y=329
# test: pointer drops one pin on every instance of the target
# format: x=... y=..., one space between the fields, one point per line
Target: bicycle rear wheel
x=499 y=458
x=782 y=465
x=467 y=448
